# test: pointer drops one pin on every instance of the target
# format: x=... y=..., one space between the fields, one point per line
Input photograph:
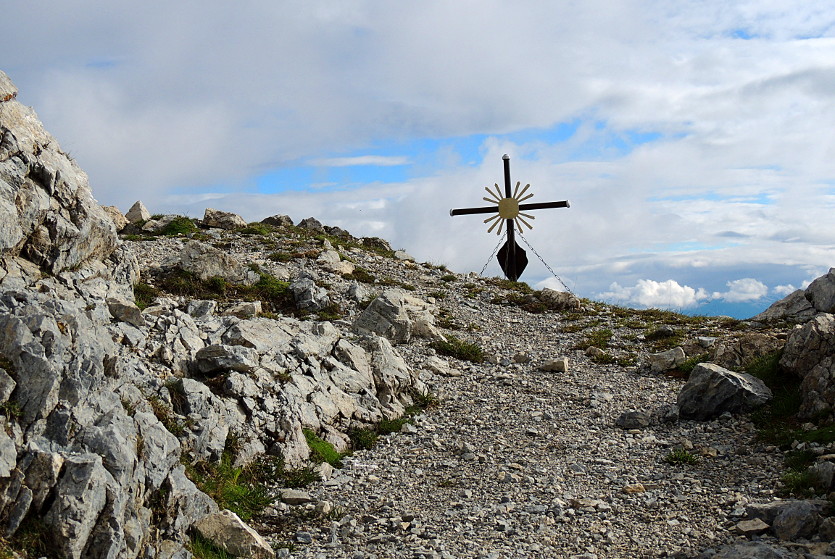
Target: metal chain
x=543 y=261
x=495 y=250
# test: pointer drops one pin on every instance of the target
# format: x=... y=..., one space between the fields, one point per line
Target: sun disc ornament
x=508 y=208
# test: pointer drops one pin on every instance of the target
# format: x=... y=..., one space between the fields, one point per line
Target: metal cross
x=512 y=257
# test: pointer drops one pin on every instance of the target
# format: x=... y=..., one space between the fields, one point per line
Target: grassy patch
x=321 y=450
x=776 y=421
x=256 y=229
x=366 y=438
x=460 y=349
x=180 y=225
x=238 y=489
x=280 y=256
x=687 y=367
x=681 y=457
x=273 y=293
x=597 y=338
x=797 y=484
x=449 y=278
x=144 y=295
x=361 y=275
x=33 y=539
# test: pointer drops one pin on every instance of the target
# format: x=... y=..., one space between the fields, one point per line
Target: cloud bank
x=695 y=141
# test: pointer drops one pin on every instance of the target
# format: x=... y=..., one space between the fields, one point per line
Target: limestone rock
x=222 y=220
x=244 y=309
x=47 y=212
x=559 y=300
x=795 y=307
x=666 y=360
x=818 y=390
x=738 y=352
x=558 y=365
x=227 y=531
x=119 y=220
x=81 y=496
x=295 y=496
x=8 y=90
x=125 y=311
x=821 y=292
x=633 y=419
x=403 y=255
x=312 y=224
x=278 y=221
x=712 y=390
x=309 y=296
x=752 y=527
x=217 y=358
x=809 y=344
x=753 y=550
x=206 y=261
x=386 y=316
x=138 y=212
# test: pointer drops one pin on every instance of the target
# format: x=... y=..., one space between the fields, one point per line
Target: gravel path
x=519 y=462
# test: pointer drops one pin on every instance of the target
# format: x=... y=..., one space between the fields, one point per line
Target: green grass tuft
x=144 y=295
x=681 y=457
x=454 y=347
x=321 y=450
x=202 y=548
x=180 y=225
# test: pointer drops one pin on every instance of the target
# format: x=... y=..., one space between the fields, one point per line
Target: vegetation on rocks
x=460 y=349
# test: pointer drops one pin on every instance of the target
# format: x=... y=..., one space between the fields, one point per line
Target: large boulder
x=278 y=221
x=206 y=261
x=821 y=292
x=712 y=390
x=47 y=212
x=227 y=531
x=138 y=212
x=222 y=220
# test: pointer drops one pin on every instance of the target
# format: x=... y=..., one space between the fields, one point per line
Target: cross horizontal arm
x=545 y=205
x=471 y=211
x=495 y=209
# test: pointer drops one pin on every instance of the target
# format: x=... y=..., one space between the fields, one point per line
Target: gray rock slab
x=712 y=390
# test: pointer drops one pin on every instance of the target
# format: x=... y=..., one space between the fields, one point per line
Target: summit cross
x=512 y=258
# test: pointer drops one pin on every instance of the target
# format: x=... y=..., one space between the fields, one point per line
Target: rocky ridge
x=134 y=370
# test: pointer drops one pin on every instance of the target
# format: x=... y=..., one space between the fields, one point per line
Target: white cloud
x=743 y=291
x=784 y=290
x=375 y=160
x=653 y=294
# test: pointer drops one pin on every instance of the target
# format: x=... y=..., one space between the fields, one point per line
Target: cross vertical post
x=512 y=257
x=510 y=261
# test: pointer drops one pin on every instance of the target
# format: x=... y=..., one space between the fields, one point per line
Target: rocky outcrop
x=740 y=351
x=821 y=292
x=47 y=212
x=810 y=355
x=795 y=307
x=101 y=402
x=712 y=390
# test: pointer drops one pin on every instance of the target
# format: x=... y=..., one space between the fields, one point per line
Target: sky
x=694 y=140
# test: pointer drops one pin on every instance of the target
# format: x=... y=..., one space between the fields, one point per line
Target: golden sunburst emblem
x=508 y=208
